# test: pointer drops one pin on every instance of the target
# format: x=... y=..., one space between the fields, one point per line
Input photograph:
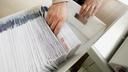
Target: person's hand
x=89 y=8
x=57 y=14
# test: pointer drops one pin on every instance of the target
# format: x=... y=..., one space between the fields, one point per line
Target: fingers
x=50 y=16
x=92 y=10
x=48 y=19
x=82 y=9
x=89 y=8
x=95 y=9
x=86 y=11
x=89 y=12
x=58 y=27
x=52 y=19
x=54 y=23
x=56 y=16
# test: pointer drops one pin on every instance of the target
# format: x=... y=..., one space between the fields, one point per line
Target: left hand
x=89 y=8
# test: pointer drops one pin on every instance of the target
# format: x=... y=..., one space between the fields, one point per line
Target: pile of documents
x=27 y=44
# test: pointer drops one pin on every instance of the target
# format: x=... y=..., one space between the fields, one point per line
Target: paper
x=28 y=45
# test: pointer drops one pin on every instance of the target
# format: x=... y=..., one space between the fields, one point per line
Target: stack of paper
x=28 y=45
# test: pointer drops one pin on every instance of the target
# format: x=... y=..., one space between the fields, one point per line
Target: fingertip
x=56 y=31
x=58 y=27
x=80 y=13
x=54 y=24
x=83 y=8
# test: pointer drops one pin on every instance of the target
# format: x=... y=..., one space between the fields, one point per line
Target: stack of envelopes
x=27 y=44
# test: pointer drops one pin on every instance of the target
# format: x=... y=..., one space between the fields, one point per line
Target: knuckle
x=56 y=16
x=49 y=14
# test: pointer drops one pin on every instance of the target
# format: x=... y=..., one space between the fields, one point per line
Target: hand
x=57 y=14
x=89 y=8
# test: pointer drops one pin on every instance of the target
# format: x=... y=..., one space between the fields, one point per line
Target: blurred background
x=109 y=11
x=8 y=7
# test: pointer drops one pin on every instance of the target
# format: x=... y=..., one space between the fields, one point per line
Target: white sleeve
x=56 y=1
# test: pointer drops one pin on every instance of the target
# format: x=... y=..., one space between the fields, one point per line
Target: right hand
x=57 y=15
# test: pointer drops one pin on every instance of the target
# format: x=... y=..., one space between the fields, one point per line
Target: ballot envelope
x=28 y=44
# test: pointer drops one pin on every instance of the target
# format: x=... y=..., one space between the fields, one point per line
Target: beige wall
x=111 y=10
x=8 y=7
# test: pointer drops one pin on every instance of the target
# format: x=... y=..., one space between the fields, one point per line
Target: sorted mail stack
x=28 y=45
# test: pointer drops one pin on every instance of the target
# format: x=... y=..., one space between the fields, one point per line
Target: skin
x=89 y=8
x=57 y=13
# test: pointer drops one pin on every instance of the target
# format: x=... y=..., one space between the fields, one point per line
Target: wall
x=8 y=7
x=111 y=10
